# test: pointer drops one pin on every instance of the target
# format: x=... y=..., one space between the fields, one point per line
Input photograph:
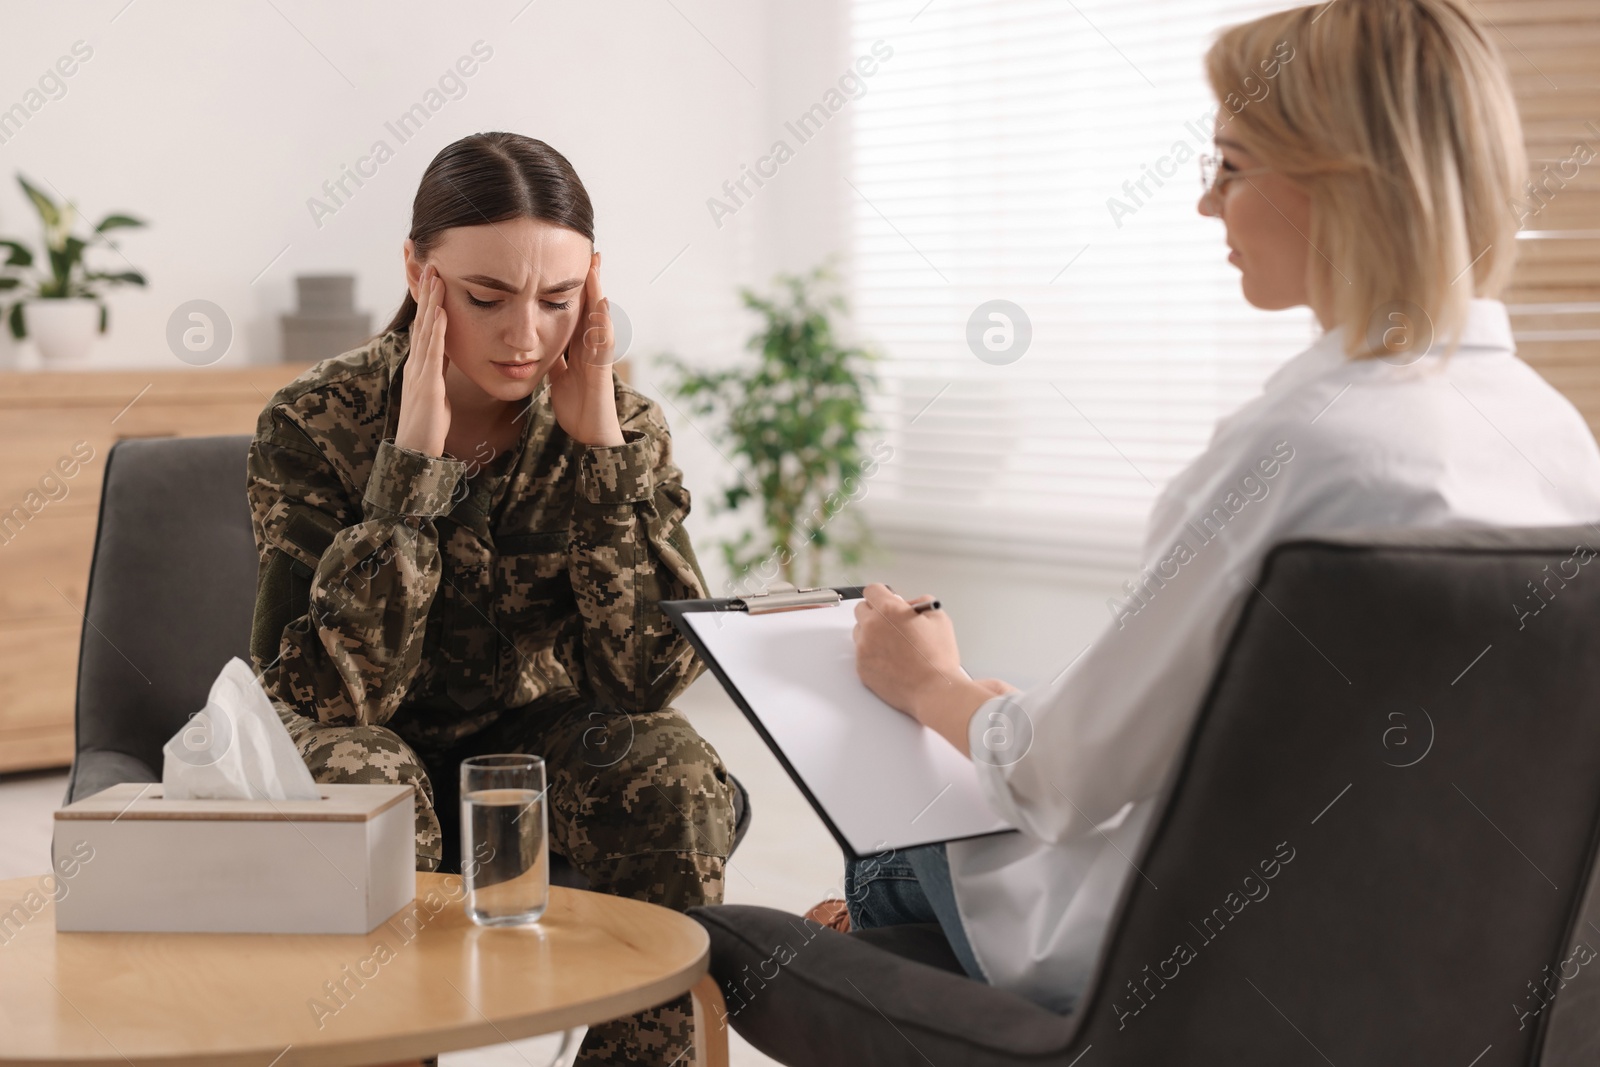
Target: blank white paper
x=885 y=780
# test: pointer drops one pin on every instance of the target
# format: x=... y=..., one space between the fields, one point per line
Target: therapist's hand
x=911 y=662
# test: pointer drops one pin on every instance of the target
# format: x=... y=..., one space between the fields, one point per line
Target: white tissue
x=235 y=748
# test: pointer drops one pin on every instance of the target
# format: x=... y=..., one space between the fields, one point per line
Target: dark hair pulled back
x=492 y=177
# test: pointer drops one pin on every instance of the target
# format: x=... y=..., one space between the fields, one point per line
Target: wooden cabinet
x=56 y=428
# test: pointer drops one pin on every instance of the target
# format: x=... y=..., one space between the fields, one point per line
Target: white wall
x=217 y=123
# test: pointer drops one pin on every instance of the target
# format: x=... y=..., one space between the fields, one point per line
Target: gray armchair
x=171 y=593
x=1420 y=728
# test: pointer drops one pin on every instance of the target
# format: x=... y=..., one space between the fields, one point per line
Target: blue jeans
x=908 y=886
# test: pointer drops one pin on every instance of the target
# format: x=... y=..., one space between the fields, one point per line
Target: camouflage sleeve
x=344 y=588
x=628 y=551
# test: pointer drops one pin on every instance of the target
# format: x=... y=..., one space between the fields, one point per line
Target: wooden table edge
x=694 y=979
x=412 y=1048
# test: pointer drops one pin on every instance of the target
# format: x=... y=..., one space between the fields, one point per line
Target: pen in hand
x=919 y=608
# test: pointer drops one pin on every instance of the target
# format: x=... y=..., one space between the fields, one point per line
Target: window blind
x=1552 y=48
x=1042 y=152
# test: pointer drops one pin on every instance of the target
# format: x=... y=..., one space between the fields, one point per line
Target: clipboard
x=879 y=780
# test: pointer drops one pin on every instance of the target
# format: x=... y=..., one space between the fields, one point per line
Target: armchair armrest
x=807 y=995
x=98 y=768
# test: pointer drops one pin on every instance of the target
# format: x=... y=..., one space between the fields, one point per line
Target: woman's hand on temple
x=424 y=420
x=581 y=389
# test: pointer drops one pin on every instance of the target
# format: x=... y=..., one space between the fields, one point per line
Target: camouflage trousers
x=640 y=804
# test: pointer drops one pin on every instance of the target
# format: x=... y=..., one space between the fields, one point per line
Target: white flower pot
x=10 y=347
x=64 y=330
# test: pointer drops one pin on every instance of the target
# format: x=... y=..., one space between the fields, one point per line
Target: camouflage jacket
x=438 y=592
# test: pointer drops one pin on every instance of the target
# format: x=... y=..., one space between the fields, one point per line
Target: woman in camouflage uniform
x=465 y=528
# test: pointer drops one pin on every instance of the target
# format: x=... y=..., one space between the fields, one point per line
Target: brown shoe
x=834 y=914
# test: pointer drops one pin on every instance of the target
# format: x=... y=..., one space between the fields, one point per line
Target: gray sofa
x=1420 y=728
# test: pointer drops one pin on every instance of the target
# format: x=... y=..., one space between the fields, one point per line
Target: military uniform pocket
x=531 y=573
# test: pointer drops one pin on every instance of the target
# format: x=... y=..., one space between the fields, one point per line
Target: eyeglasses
x=1214 y=179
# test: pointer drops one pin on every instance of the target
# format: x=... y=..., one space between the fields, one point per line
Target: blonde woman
x=1374 y=185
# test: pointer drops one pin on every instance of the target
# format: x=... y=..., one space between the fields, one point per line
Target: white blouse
x=1475 y=438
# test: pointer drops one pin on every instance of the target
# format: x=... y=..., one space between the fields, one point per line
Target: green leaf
x=130 y=277
x=20 y=255
x=9 y=283
x=48 y=211
x=62 y=262
x=18 y=330
x=112 y=222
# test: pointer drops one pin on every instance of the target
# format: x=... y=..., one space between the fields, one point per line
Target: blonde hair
x=1398 y=119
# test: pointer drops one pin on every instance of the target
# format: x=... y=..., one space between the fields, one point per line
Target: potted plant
x=65 y=306
x=794 y=422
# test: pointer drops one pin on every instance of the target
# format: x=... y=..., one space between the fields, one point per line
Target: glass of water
x=505 y=855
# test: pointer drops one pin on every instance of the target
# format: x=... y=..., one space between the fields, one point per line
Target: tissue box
x=339 y=865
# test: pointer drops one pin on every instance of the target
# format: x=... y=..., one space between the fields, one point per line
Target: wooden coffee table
x=426 y=981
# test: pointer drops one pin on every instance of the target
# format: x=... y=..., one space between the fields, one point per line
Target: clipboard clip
x=783 y=596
